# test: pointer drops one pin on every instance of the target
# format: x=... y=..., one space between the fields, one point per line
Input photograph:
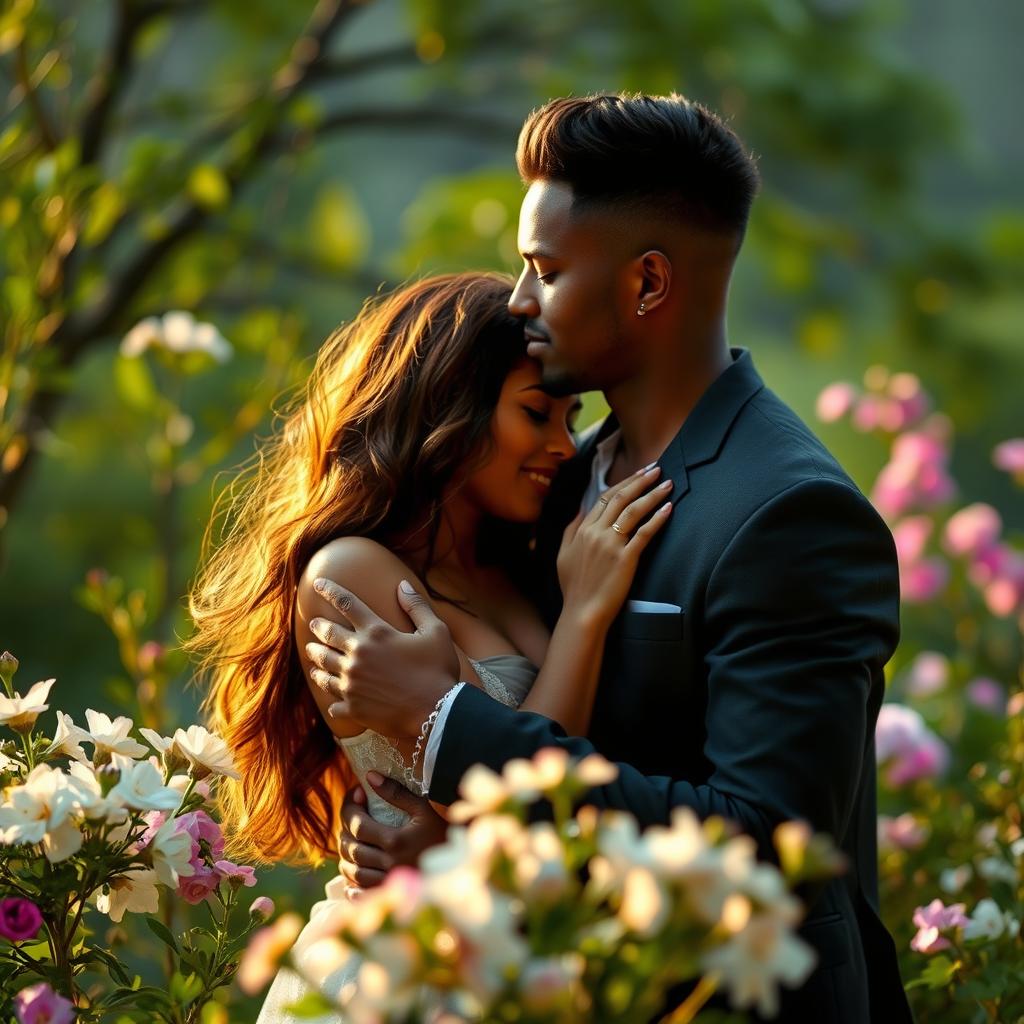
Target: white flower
x=41 y=811
x=995 y=869
x=68 y=739
x=20 y=713
x=594 y=770
x=482 y=791
x=540 y=870
x=178 y=332
x=986 y=922
x=645 y=903
x=756 y=958
x=134 y=891
x=141 y=787
x=93 y=804
x=171 y=851
x=952 y=880
x=206 y=752
x=548 y=981
x=111 y=736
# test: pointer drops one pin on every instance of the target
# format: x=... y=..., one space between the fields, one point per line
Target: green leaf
x=339 y=230
x=208 y=187
x=184 y=990
x=105 y=208
x=311 y=1005
x=135 y=383
x=162 y=932
x=938 y=974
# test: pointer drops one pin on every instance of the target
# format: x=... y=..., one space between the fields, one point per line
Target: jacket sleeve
x=800 y=617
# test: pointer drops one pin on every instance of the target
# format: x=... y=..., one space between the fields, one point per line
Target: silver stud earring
x=641 y=309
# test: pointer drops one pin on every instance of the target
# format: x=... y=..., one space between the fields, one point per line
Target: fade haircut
x=659 y=155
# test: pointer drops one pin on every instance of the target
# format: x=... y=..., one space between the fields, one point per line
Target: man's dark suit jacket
x=758 y=700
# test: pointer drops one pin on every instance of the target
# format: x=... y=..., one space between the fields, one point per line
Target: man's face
x=573 y=292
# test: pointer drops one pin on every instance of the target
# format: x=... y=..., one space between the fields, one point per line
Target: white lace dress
x=506 y=677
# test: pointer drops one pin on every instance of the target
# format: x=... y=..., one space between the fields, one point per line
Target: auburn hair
x=397 y=408
x=664 y=154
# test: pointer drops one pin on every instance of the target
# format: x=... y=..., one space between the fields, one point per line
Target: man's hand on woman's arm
x=368 y=850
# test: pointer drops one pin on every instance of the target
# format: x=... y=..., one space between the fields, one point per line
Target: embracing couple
x=425 y=569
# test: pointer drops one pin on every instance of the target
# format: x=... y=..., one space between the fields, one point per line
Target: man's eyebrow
x=533 y=387
x=537 y=254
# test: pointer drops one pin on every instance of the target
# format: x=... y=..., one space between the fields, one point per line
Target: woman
x=422 y=449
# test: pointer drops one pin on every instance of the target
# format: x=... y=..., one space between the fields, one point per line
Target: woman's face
x=531 y=437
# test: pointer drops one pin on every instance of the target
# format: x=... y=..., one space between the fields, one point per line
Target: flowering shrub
x=582 y=918
x=950 y=739
x=100 y=834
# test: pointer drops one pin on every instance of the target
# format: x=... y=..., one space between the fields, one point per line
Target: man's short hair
x=659 y=154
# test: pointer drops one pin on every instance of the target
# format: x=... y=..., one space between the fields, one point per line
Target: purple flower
x=39 y=1004
x=907 y=746
x=262 y=906
x=236 y=874
x=928 y=673
x=19 y=919
x=931 y=921
x=987 y=694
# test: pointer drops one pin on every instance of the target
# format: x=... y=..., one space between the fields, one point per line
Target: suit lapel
x=704 y=431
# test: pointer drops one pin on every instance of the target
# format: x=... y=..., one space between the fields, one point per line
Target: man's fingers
x=364 y=856
x=364 y=829
x=352 y=610
x=416 y=607
x=324 y=657
x=396 y=794
x=332 y=634
x=361 y=878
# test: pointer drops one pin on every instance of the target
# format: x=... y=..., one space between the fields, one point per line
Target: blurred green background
x=266 y=165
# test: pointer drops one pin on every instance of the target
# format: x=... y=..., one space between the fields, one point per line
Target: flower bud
x=262 y=908
x=150 y=654
x=108 y=776
x=8 y=666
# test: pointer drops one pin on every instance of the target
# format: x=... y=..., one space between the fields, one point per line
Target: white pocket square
x=651 y=606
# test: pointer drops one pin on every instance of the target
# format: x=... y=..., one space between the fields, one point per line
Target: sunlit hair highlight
x=397 y=408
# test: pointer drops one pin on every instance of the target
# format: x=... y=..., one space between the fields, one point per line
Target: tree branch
x=76 y=334
x=47 y=133
x=413 y=118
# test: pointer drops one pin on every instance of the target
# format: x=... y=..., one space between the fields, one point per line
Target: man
x=744 y=677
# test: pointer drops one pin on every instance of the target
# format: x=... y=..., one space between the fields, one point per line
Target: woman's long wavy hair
x=397 y=409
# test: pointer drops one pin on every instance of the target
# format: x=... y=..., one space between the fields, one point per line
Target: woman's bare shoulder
x=361 y=565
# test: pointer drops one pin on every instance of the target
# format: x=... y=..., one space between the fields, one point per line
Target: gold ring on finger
x=617 y=528
x=604 y=501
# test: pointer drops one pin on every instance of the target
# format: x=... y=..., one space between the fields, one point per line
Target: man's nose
x=522 y=301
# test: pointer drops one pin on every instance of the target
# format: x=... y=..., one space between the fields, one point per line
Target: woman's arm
x=596 y=566
x=372 y=573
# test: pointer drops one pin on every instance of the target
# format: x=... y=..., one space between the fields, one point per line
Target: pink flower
x=911 y=537
x=1009 y=455
x=236 y=875
x=902 y=833
x=931 y=921
x=867 y=413
x=923 y=581
x=202 y=828
x=928 y=673
x=907 y=746
x=835 y=401
x=972 y=530
x=908 y=395
x=915 y=475
x=987 y=694
x=39 y=1004
x=267 y=948
x=195 y=888
x=19 y=919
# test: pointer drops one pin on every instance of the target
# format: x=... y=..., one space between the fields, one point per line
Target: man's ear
x=654 y=273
